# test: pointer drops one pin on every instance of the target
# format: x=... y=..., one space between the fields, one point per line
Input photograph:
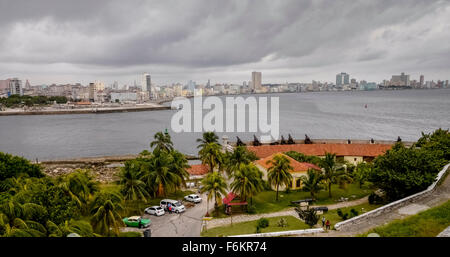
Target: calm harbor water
x=333 y=115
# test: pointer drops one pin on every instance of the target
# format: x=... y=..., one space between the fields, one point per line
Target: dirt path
x=438 y=197
x=288 y=212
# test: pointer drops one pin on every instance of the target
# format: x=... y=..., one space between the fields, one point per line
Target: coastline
x=86 y=111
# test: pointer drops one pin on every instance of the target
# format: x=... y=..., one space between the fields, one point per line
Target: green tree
x=331 y=170
x=240 y=155
x=211 y=155
x=13 y=166
x=105 y=218
x=247 y=181
x=214 y=184
x=402 y=171
x=131 y=187
x=362 y=173
x=207 y=138
x=279 y=172
x=312 y=182
x=80 y=185
x=162 y=142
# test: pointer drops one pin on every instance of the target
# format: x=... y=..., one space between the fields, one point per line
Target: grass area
x=428 y=223
x=265 y=201
x=132 y=208
x=249 y=227
x=334 y=218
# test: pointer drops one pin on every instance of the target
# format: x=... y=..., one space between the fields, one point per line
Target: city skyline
x=68 y=42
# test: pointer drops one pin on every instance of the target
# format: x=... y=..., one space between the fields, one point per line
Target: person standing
x=328 y=226
x=323 y=221
x=169 y=207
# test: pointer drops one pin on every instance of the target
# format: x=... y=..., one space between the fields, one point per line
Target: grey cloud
x=198 y=35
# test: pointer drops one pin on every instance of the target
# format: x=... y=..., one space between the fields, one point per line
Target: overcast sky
x=59 y=41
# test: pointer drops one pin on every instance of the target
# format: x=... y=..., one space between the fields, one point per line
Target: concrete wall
x=392 y=206
x=285 y=233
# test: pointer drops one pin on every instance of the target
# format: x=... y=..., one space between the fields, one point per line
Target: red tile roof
x=365 y=150
x=297 y=166
x=198 y=169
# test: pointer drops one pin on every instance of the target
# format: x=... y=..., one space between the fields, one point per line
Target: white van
x=177 y=206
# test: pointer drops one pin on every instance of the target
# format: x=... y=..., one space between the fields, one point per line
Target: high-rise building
x=191 y=86
x=401 y=80
x=422 y=80
x=147 y=82
x=15 y=87
x=256 y=80
x=342 y=79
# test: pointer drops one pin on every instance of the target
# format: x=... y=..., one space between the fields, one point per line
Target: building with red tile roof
x=198 y=170
x=299 y=169
x=353 y=153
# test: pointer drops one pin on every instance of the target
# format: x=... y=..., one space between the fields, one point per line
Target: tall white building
x=15 y=87
x=256 y=80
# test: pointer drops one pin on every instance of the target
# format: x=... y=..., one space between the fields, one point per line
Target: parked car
x=137 y=222
x=155 y=210
x=193 y=198
x=177 y=206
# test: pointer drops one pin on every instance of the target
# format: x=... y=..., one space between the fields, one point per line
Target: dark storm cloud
x=198 y=35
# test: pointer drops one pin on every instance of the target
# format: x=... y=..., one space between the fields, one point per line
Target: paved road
x=187 y=224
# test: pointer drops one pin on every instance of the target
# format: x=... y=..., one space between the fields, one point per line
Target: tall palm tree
x=214 y=184
x=279 y=172
x=106 y=219
x=207 y=138
x=240 y=155
x=312 y=182
x=247 y=181
x=331 y=169
x=132 y=187
x=162 y=142
x=179 y=167
x=211 y=155
x=157 y=173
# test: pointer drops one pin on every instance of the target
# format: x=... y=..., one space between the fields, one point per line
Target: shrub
x=376 y=199
x=263 y=223
x=258 y=230
x=282 y=223
x=353 y=213
x=309 y=216
x=343 y=216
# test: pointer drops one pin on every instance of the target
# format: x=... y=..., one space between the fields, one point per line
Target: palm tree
x=211 y=155
x=312 y=182
x=331 y=168
x=208 y=137
x=214 y=184
x=105 y=213
x=157 y=173
x=80 y=227
x=162 y=142
x=80 y=185
x=247 y=181
x=132 y=188
x=179 y=167
x=240 y=155
x=279 y=172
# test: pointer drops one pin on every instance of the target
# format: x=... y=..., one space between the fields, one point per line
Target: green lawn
x=334 y=217
x=428 y=223
x=265 y=201
x=249 y=227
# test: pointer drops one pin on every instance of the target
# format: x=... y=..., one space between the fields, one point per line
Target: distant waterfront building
x=123 y=97
x=422 y=80
x=4 y=85
x=256 y=80
x=146 y=82
x=91 y=92
x=401 y=80
x=15 y=87
x=342 y=79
